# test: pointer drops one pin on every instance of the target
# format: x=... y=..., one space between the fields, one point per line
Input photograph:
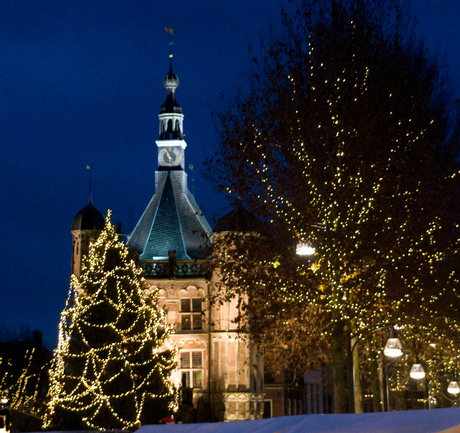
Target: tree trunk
x=338 y=365
x=375 y=383
x=357 y=389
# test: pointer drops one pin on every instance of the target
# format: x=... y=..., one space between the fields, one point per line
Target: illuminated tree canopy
x=24 y=364
x=344 y=135
x=109 y=371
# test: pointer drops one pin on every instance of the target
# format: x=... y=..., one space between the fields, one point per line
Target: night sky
x=81 y=84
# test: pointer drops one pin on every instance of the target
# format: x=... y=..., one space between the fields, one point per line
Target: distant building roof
x=237 y=220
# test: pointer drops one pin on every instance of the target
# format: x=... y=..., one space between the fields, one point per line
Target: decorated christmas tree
x=110 y=369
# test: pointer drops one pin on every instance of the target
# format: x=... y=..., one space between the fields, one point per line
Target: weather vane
x=170 y=31
x=89 y=179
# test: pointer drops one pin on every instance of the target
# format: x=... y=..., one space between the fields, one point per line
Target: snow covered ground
x=415 y=421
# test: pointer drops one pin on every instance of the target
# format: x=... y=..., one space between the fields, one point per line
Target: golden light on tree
x=345 y=135
x=109 y=371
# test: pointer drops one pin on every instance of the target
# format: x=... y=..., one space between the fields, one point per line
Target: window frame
x=191 y=314
x=194 y=369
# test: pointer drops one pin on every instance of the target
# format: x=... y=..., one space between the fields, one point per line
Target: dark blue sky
x=81 y=84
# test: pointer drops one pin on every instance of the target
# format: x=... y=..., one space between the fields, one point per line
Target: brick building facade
x=172 y=239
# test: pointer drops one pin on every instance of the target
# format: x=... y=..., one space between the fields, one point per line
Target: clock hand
x=169 y=155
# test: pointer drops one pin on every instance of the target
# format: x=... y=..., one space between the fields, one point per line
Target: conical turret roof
x=237 y=220
x=89 y=218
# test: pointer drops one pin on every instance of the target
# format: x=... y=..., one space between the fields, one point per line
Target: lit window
x=191 y=366
x=192 y=318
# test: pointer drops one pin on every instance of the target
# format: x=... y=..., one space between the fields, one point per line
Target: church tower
x=86 y=227
x=172 y=223
x=223 y=372
x=172 y=239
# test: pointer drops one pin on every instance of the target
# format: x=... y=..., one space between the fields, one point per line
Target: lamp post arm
x=366 y=331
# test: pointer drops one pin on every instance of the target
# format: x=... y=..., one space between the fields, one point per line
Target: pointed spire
x=171 y=116
x=170 y=81
x=170 y=55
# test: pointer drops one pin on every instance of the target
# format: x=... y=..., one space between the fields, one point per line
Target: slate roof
x=172 y=221
x=171 y=105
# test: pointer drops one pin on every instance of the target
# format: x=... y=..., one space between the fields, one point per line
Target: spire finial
x=90 y=199
x=170 y=31
x=170 y=81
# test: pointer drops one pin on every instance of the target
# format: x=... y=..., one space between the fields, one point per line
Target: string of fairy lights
x=24 y=393
x=345 y=200
x=108 y=361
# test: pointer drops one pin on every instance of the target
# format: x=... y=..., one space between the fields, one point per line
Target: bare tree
x=343 y=136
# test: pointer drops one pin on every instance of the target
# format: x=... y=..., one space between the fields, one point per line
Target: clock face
x=170 y=156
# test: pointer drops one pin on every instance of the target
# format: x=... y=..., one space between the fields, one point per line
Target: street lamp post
x=417 y=372
x=393 y=349
x=305 y=249
x=453 y=387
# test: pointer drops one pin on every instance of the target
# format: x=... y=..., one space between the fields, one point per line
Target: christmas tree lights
x=109 y=371
x=26 y=392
